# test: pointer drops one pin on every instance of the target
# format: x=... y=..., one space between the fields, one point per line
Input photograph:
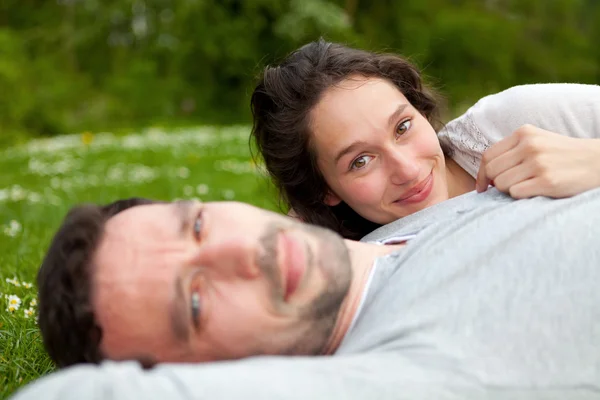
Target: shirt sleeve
x=567 y=109
x=374 y=376
x=264 y=377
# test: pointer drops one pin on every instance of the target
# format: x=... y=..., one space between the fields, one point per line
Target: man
x=478 y=297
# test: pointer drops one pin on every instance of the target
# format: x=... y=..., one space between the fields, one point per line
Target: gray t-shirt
x=492 y=299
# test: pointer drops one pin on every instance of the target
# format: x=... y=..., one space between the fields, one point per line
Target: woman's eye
x=403 y=127
x=360 y=162
x=198 y=226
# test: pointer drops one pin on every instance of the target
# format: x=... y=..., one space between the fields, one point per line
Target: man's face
x=201 y=282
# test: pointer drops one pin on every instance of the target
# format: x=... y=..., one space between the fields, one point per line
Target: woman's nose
x=402 y=168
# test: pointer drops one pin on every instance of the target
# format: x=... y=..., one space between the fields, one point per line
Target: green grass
x=41 y=180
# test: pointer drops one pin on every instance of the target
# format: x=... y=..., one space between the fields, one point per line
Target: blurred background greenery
x=89 y=65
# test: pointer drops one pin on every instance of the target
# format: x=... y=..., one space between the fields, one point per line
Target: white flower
x=202 y=189
x=228 y=194
x=14 y=302
x=13 y=281
x=17 y=193
x=115 y=173
x=235 y=166
x=183 y=172
x=27 y=285
x=29 y=312
x=12 y=229
x=33 y=303
x=188 y=191
x=34 y=197
x=142 y=174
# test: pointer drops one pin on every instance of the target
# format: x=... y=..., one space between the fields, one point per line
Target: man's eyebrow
x=396 y=114
x=178 y=313
x=182 y=211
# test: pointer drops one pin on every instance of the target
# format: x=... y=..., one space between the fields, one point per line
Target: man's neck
x=362 y=256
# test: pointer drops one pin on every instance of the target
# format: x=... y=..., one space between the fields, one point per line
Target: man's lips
x=293 y=263
x=419 y=192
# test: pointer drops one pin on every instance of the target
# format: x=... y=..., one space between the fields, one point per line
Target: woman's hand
x=536 y=162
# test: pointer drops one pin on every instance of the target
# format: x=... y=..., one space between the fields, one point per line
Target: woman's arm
x=531 y=140
x=567 y=109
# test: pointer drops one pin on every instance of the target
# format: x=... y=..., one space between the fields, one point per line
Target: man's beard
x=317 y=319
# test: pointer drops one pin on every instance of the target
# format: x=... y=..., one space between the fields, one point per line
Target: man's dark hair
x=281 y=104
x=66 y=316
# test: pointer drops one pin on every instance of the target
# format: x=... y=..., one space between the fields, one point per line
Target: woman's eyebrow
x=349 y=149
x=396 y=114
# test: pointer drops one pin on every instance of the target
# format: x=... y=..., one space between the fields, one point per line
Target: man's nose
x=403 y=168
x=231 y=257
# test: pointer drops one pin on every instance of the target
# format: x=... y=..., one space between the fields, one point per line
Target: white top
x=568 y=109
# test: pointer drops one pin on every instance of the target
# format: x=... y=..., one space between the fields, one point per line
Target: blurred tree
x=89 y=64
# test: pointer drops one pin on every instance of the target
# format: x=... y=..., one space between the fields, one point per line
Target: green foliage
x=307 y=19
x=73 y=65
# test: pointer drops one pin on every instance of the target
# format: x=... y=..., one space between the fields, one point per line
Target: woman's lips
x=419 y=192
x=294 y=263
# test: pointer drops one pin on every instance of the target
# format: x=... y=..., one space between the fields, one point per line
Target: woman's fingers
x=505 y=144
x=514 y=176
x=527 y=188
x=498 y=154
x=482 y=181
x=503 y=163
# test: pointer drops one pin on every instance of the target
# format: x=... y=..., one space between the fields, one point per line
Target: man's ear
x=332 y=199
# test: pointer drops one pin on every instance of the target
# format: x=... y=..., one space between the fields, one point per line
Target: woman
x=350 y=140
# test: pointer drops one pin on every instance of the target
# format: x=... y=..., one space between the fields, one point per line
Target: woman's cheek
x=366 y=190
x=427 y=145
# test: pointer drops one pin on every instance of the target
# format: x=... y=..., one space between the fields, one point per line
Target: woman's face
x=376 y=151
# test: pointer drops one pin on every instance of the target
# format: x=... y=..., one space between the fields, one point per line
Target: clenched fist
x=536 y=162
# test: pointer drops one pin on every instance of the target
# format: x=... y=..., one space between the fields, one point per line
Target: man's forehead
x=147 y=215
x=136 y=234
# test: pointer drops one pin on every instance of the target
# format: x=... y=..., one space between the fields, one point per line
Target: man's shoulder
x=449 y=209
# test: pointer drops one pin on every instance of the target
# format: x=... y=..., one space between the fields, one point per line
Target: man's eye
x=360 y=162
x=403 y=127
x=196 y=309
x=198 y=226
